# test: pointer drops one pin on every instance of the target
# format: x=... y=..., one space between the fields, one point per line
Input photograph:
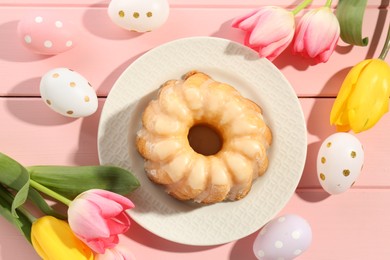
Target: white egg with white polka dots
x=339 y=162
x=68 y=93
x=47 y=32
x=283 y=238
x=139 y=15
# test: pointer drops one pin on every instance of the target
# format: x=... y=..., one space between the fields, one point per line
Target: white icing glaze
x=240 y=167
x=172 y=103
x=213 y=98
x=218 y=171
x=165 y=149
x=231 y=111
x=178 y=167
x=243 y=126
x=247 y=146
x=198 y=173
x=166 y=125
x=193 y=98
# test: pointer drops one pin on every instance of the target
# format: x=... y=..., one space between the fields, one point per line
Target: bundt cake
x=176 y=161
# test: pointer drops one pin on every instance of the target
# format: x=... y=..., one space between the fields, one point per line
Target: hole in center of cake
x=204 y=139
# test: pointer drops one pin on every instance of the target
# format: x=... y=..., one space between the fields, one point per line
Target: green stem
x=27 y=214
x=328 y=3
x=49 y=192
x=301 y=6
x=386 y=46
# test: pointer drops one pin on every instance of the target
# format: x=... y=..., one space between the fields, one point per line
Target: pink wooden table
x=354 y=225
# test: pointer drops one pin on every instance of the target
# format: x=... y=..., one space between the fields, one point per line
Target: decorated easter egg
x=47 y=33
x=339 y=162
x=139 y=15
x=68 y=93
x=285 y=237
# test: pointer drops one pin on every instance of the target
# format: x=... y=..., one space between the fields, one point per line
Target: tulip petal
x=38 y=248
x=271 y=28
x=300 y=34
x=320 y=34
x=324 y=57
x=107 y=208
x=317 y=34
x=53 y=239
x=273 y=33
x=125 y=202
x=117 y=253
x=247 y=21
x=100 y=245
x=267 y=29
x=109 y=254
x=118 y=225
x=85 y=221
x=364 y=96
x=273 y=50
x=339 y=114
x=98 y=216
x=369 y=101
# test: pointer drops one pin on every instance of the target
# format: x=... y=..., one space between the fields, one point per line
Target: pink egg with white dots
x=283 y=238
x=47 y=32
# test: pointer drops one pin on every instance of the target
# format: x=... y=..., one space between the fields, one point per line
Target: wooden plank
x=180 y=3
x=105 y=50
x=352 y=225
x=33 y=134
x=353 y=217
x=348 y=226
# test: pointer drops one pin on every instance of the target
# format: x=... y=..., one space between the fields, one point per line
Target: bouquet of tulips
x=96 y=213
x=364 y=95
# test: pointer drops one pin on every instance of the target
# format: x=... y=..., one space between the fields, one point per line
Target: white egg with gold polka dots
x=339 y=162
x=68 y=93
x=139 y=15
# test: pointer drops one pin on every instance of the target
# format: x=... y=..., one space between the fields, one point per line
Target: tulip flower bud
x=363 y=97
x=270 y=30
x=317 y=34
x=53 y=239
x=98 y=217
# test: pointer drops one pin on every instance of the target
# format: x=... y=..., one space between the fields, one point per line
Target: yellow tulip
x=363 y=97
x=53 y=239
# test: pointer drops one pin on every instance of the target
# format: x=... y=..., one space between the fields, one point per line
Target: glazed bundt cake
x=174 y=160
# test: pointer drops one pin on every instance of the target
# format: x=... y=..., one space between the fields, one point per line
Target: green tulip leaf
x=20 y=197
x=12 y=173
x=22 y=222
x=16 y=177
x=350 y=14
x=41 y=203
x=70 y=181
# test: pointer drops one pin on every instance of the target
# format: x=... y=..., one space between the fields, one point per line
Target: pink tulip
x=317 y=34
x=97 y=217
x=270 y=30
x=117 y=253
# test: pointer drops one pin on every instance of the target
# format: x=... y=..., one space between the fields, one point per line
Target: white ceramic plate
x=257 y=79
